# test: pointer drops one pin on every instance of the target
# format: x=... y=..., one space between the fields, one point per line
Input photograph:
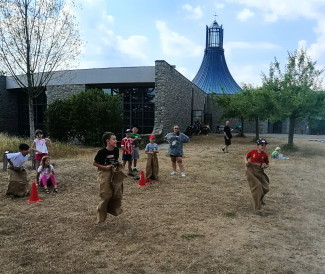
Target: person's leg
x=130 y=166
x=53 y=180
x=44 y=183
x=173 y=159
x=135 y=164
x=181 y=165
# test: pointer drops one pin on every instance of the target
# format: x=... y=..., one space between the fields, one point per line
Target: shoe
x=55 y=190
x=173 y=173
x=46 y=191
x=131 y=174
x=183 y=174
x=135 y=169
x=223 y=150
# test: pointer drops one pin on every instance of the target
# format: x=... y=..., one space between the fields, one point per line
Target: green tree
x=295 y=91
x=84 y=116
x=38 y=38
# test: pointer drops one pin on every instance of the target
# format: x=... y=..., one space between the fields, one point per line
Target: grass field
x=203 y=223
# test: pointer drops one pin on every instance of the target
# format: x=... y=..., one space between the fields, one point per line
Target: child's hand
x=264 y=165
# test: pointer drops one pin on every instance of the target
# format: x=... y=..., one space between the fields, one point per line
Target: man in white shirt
x=18 y=181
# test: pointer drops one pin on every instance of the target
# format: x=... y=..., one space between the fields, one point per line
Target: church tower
x=213 y=75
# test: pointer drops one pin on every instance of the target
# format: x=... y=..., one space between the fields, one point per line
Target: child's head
x=45 y=161
x=152 y=138
x=38 y=133
x=24 y=149
x=277 y=148
x=261 y=144
x=135 y=129
x=109 y=139
x=128 y=133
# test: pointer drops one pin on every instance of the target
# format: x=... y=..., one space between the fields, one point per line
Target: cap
x=128 y=130
x=152 y=136
x=261 y=142
x=277 y=148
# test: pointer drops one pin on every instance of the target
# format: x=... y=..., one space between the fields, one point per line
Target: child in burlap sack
x=152 y=167
x=110 y=178
x=256 y=161
x=18 y=181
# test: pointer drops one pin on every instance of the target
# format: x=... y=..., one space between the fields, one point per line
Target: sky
x=127 y=33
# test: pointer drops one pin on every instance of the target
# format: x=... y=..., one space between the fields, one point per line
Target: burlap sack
x=110 y=192
x=18 y=183
x=152 y=167
x=258 y=183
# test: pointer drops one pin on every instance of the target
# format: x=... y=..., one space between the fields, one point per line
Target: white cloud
x=245 y=14
x=194 y=13
x=174 y=44
x=219 y=5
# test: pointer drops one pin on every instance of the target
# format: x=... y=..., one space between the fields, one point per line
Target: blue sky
x=124 y=33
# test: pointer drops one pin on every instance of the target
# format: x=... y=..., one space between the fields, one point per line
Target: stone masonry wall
x=176 y=96
x=62 y=92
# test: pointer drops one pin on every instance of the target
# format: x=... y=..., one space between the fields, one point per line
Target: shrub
x=84 y=117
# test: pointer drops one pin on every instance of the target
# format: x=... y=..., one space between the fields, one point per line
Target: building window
x=138 y=106
x=197 y=116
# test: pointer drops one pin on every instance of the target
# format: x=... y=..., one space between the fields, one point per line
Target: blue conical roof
x=214 y=75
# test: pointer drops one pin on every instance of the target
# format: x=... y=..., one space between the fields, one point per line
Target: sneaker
x=223 y=150
x=173 y=173
x=55 y=190
x=183 y=174
x=135 y=169
x=131 y=174
x=46 y=191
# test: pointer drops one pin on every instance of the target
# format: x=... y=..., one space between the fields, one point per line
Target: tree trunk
x=257 y=128
x=292 y=125
x=31 y=116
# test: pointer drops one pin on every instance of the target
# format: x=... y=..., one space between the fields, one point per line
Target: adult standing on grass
x=227 y=136
x=256 y=161
x=110 y=178
x=175 y=150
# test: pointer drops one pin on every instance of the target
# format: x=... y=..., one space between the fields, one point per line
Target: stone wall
x=62 y=92
x=175 y=99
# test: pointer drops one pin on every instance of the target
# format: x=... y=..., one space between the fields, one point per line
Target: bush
x=84 y=117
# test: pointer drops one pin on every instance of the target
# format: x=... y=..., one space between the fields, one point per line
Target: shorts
x=38 y=157
x=174 y=156
x=135 y=154
x=227 y=142
x=127 y=157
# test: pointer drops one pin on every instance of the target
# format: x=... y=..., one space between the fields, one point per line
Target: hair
x=107 y=136
x=44 y=158
x=23 y=147
x=38 y=131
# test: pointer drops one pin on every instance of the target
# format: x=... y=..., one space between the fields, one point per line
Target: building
x=214 y=75
x=154 y=97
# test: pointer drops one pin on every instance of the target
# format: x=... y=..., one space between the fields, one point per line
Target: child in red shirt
x=256 y=161
x=127 y=146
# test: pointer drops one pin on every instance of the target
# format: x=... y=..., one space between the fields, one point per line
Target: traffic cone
x=142 y=181
x=34 y=195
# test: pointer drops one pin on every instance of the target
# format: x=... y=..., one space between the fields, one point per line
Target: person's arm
x=11 y=166
x=246 y=159
x=108 y=167
x=48 y=142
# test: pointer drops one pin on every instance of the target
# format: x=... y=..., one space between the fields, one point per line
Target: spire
x=213 y=75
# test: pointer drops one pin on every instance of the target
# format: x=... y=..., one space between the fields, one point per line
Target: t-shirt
x=150 y=147
x=17 y=159
x=107 y=157
x=128 y=144
x=47 y=171
x=227 y=131
x=136 y=142
x=41 y=145
x=258 y=157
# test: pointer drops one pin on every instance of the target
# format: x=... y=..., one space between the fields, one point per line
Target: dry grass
x=203 y=223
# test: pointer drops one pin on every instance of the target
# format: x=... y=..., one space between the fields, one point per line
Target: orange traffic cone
x=34 y=195
x=142 y=181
